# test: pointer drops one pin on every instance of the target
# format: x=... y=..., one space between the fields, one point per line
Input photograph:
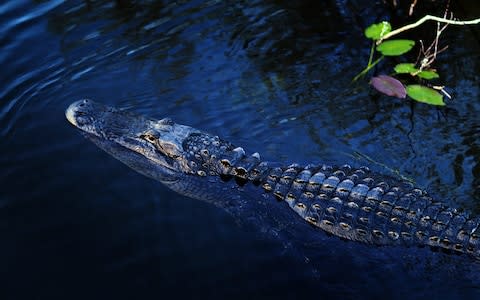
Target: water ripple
x=23 y=17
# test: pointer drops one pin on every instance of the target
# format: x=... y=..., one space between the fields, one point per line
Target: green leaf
x=428 y=74
x=405 y=68
x=424 y=94
x=395 y=47
x=377 y=31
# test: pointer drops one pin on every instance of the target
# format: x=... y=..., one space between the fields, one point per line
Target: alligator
x=351 y=203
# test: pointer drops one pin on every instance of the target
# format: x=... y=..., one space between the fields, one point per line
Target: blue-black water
x=272 y=76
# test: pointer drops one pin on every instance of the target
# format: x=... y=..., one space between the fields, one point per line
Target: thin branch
x=423 y=20
x=412 y=6
x=429 y=57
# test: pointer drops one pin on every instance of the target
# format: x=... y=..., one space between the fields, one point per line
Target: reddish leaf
x=389 y=86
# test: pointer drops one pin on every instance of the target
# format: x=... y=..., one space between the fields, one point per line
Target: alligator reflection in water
x=351 y=203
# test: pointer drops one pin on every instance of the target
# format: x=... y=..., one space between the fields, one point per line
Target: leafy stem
x=372 y=50
x=369 y=67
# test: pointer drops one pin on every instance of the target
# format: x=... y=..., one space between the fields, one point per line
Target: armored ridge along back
x=352 y=203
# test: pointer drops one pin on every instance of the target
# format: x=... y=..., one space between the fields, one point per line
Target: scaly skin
x=352 y=203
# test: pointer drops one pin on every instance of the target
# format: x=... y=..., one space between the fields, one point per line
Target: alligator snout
x=105 y=121
x=77 y=112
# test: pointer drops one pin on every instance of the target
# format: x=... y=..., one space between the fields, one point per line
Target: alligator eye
x=149 y=137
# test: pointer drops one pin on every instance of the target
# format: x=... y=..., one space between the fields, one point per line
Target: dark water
x=269 y=75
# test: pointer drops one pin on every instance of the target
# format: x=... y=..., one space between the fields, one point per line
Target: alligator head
x=179 y=156
x=151 y=147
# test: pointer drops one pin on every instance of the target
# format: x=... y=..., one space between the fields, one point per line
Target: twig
x=428 y=57
x=423 y=20
x=412 y=6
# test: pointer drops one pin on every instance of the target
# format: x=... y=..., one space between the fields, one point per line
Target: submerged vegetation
x=421 y=70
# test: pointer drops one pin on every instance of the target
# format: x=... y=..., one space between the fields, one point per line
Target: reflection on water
x=273 y=76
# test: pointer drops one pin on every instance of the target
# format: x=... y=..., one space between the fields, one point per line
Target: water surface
x=271 y=76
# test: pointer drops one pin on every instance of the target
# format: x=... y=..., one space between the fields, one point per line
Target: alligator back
x=355 y=204
x=351 y=203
